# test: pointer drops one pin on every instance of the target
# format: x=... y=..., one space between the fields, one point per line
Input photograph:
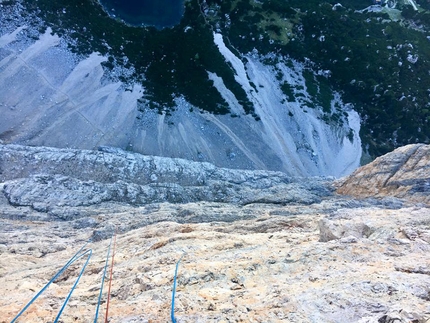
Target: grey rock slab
x=51 y=180
x=114 y=165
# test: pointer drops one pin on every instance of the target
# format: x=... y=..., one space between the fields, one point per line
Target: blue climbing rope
x=75 y=257
x=89 y=251
x=110 y=280
x=103 y=281
x=172 y=311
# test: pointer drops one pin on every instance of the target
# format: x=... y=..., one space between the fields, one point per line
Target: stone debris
x=52 y=96
x=333 y=230
x=425 y=269
x=129 y=178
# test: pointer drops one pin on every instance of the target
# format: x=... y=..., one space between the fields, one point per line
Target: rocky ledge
x=67 y=184
x=257 y=246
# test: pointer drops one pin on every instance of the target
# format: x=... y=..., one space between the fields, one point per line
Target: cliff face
x=258 y=246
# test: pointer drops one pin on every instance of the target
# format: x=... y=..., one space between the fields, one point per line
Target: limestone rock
x=53 y=181
x=333 y=230
x=403 y=173
x=257 y=246
x=264 y=269
x=402 y=316
x=51 y=96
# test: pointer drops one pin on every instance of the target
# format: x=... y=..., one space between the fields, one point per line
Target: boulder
x=349 y=231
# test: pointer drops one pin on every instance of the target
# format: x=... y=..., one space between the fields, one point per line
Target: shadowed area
x=158 y=13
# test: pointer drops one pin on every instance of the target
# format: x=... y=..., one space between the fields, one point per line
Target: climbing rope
x=103 y=280
x=75 y=257
x=81 y=253
x=172 y=311
x=89 y=251
x=110 y=281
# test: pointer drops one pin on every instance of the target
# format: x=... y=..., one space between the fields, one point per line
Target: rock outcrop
x=257 y=246
x=403 y=173
x=50 y=180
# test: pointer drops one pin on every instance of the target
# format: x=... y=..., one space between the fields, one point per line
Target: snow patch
x=241 y=75
x=9 y=38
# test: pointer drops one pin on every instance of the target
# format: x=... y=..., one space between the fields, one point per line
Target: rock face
x=257 y=246
x=403 y=173
x=49 y=180
x=269 y=269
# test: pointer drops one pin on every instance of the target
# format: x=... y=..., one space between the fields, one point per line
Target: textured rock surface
x=269 y=269
x=48 y=179
x=403 y=173
x=258 y=246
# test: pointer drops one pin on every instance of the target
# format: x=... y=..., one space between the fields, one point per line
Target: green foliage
x=288 y=91
x=370 y=57
x=168 y=62
x=424 y=4
x=279 y=6
x=372 y=64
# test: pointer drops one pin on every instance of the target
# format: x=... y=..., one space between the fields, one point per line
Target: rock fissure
x=408 y=156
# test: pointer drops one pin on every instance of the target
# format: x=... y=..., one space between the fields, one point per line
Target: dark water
x=158 y=13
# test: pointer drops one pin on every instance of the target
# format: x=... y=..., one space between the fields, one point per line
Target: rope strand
x=71 y=260
x=103 y=280
x=172 y=311
x=110 y=280
x=90 y=251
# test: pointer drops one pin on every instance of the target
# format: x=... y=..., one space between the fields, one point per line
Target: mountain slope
x=373 y=57
x=50 y=97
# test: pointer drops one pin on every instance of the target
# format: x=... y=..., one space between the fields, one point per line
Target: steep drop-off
x=51 y=97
